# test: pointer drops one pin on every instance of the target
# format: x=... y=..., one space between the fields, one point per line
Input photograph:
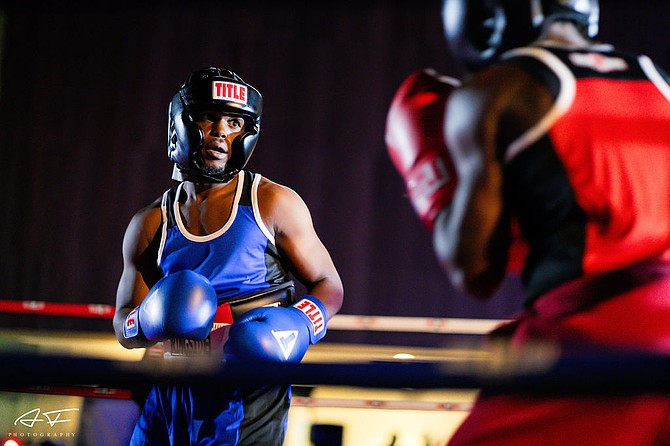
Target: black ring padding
x=584 y=374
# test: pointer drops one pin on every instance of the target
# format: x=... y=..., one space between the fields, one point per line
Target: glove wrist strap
x=131 y=327
x=315 y=314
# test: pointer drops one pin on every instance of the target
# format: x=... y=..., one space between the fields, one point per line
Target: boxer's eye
x=235 y=123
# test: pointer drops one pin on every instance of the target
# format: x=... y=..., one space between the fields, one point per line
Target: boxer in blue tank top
x=221 y=236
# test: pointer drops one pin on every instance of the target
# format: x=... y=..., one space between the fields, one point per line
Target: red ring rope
x=338 y=322
x=99 y=311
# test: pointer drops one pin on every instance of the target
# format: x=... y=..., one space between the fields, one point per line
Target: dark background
x=83 y=106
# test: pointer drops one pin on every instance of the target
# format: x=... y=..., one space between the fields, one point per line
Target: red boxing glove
x=415 y=142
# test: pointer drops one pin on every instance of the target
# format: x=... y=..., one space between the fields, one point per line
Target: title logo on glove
x=313 y=313
x=227 y=91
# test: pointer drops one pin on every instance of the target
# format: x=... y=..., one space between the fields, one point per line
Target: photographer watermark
x=38 y=422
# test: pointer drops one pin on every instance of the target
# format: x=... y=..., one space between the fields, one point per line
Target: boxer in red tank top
x=569 y=140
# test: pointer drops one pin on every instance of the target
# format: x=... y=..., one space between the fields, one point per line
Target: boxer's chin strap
x=179 y=174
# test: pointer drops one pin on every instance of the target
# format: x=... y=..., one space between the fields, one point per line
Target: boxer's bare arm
x=287 y=215
x=484 y=116
x=139 y=272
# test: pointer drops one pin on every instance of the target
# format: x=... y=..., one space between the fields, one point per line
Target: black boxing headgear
x=479 y=31
x=211 y=89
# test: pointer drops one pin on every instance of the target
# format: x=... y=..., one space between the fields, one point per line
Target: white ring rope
x=345 y=403
x=414 y=324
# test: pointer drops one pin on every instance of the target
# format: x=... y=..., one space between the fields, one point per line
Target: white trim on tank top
x=562 y=104
x=257 y=211
x=218 y=232
x=654 y=76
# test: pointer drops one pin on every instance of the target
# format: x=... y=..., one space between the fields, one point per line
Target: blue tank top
x=239 y=258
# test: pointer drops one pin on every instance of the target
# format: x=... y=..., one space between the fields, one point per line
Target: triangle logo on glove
x=286 y=340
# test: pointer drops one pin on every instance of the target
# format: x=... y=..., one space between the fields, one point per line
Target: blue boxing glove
x=279 y=334
x=179 y=305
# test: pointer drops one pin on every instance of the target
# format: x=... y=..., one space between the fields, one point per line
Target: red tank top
x=599 y=195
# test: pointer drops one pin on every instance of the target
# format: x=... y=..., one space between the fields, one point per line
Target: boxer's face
x=220 y=130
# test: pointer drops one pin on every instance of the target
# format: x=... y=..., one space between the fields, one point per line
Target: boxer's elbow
x=482 y=284
x=129 y=343
x=119 y=321
x=469 y=270
x=478 y=282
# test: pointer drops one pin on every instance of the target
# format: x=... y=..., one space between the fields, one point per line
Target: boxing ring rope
x=89 y=383
x=345 y=403
x=297 y=401
x=338 y=322
x=538 y=370
x=588 y=373
x=97 y=311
